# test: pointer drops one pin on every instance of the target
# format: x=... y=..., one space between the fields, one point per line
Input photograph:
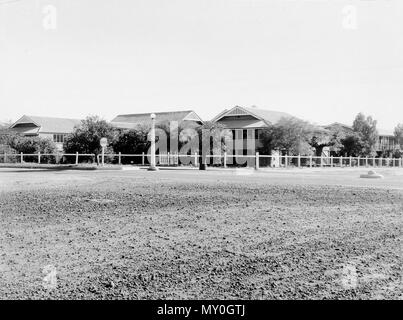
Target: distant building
x=387 y=142
x=337 y=126
x=186 y=118
x=55 y=129
x=386 y=139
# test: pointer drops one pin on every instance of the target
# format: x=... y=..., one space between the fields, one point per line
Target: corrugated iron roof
x=133 y=120
x=48 y=124
x=269 y=116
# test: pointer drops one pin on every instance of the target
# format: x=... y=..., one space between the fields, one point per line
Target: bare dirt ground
x=276 y=234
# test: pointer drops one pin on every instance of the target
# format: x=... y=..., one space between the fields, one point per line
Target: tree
x=352 y=145
x=207 y=139
x=5 y=133
x=321 y=138
x=368 y=134
x=86 y=137
x=267 y=140
x=337 y=133
x=399 y=135
x=132 y=141
x=289 y=134
x=31 y=145
x=23 y=144
x=182 y=133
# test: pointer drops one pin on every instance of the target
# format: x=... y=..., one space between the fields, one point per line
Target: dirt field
x=276 y=234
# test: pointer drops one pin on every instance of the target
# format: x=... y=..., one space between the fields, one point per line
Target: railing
x=40 y=158
x=251 y=160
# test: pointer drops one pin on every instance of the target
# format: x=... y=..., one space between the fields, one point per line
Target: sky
x=314 y=59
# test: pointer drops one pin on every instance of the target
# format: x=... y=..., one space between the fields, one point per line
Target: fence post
x=286 y=161
x=350 y=161
x=359 y=159
x=310 y=161
x=341 y=161
x=257 y=161
x=39 y=157
x=142 y=159
x=299 y=161
x=196 y=159
x=22 y=157
x=120 y=158
x=76 y=158
x=225 y=159
x=366 y=161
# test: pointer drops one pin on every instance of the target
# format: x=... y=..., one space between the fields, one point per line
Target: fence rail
x=252 y=160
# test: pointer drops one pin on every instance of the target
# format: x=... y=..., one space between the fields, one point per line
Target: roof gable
x=192 y=116
x=25 y=120
x=47 y=124
x=267 y=116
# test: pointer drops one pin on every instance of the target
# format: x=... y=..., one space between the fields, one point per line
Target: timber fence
x=225 y=160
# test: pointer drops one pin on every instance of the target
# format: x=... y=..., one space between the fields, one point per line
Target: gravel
x=173 y=235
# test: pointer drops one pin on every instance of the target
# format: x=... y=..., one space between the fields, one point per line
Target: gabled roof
x=36 y=124
x=267 y=116
x=339 y=125
x=381 y=132
x=129 y=121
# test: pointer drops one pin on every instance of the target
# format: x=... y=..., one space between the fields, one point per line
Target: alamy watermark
x=49 y=281
x=349 y=20
x=49 y=21
x=207 y=146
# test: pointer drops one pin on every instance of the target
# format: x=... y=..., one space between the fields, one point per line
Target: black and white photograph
x=229 y=151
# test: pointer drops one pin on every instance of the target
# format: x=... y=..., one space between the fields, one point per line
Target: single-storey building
x=55 y=129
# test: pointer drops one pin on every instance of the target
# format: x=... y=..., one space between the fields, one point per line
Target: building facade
x=55 y=129
x=387 y=143
x=246 y=125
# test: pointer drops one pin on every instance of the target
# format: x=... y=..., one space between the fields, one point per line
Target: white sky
x=109 y=57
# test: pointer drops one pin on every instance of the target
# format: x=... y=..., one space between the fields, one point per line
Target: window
x=58 y=138
x=258 y=133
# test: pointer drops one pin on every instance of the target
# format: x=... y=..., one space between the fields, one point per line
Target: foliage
x=132 y=141
x=365 y=127
x=289 y=134
x=267 y=141
x=211 y=137
x=320 y=138
x=399 y=135
x=31 y=145
x=86 y=137
x=352 y=145
x=333 y=138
